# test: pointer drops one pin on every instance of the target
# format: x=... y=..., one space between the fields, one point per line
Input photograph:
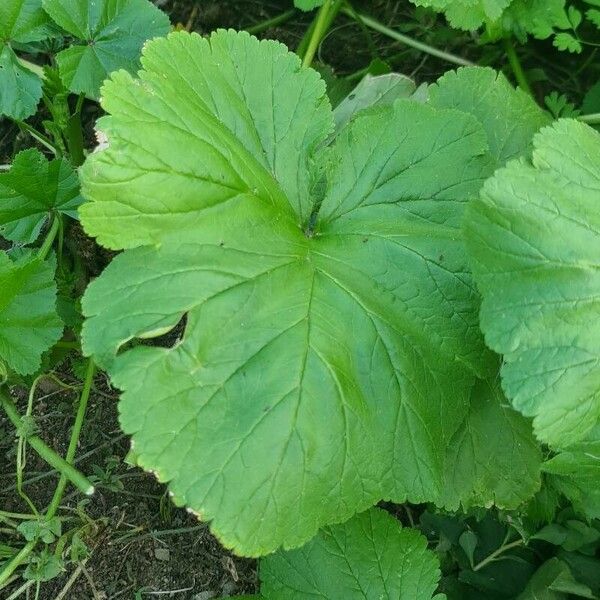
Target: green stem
x=49 y=455
x=40 y=137
x=399 y=37
x=494 y=555
x=75 y=433
x=273 y=22
x=74 y=135
x=591 y=119
x=49 y=239
x=323 y=21
x=15 y=562
x=21 y=516
x=517 y=68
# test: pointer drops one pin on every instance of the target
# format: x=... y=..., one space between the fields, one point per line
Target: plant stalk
x=45 y=452
x=494 y=555
x=49 y=239
x=396 y=35
x=591 y=119
x=40 y=137
x=74 y=135
x=517 y=68
x=324 y=19
x=75 y=433
x=272 y=22
x=15 y=562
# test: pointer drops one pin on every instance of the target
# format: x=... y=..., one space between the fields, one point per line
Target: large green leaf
x=576 y=473
x=29 y=324
x=20 y=89
x=534 y=236
x=367 y=558
x=326 y=362
x=493 y=457
x=33 y=190
x=112 y=33
x=509 y=117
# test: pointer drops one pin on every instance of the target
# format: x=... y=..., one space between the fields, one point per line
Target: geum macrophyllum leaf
x=327 y=360
x=367 y=558
x=33 y=190
x=111 y=35
x=493 y=457
x=534 y=237
x=21 y=21
x=467 y=14
x=540 y=18
x=509 y=117
x=576 y=473
x=29 y=324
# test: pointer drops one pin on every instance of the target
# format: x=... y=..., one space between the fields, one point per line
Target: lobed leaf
x=33 y=190
x=534 y=237
x=112 y=33
x=509 y=117
x=331 y=340
x=367 y=558
x=29 y=324
x=493 y=458
x=576 y=473
x=20 y=90
x=467 y=14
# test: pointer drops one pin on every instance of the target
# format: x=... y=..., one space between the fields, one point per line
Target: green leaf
x=539 y=18
x=21 y=21
x=565 y=41
x=493 y=457
x=268 y=416
x=112 y=33
x=33 y=190
x=534 y=238
x=373 y=91
x=367 y=558
x=576 y=473
x=467 y=14
x=593 y=15
x=307 y=5
x=509 y=116
x=46 y=531
x=29 y=324
x=44 y=567
x=554 y=581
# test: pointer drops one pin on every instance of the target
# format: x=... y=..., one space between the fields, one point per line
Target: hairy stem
x=396 y=35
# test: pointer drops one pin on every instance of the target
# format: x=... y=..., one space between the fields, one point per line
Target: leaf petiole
x=45 y=452
x=396 y=35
